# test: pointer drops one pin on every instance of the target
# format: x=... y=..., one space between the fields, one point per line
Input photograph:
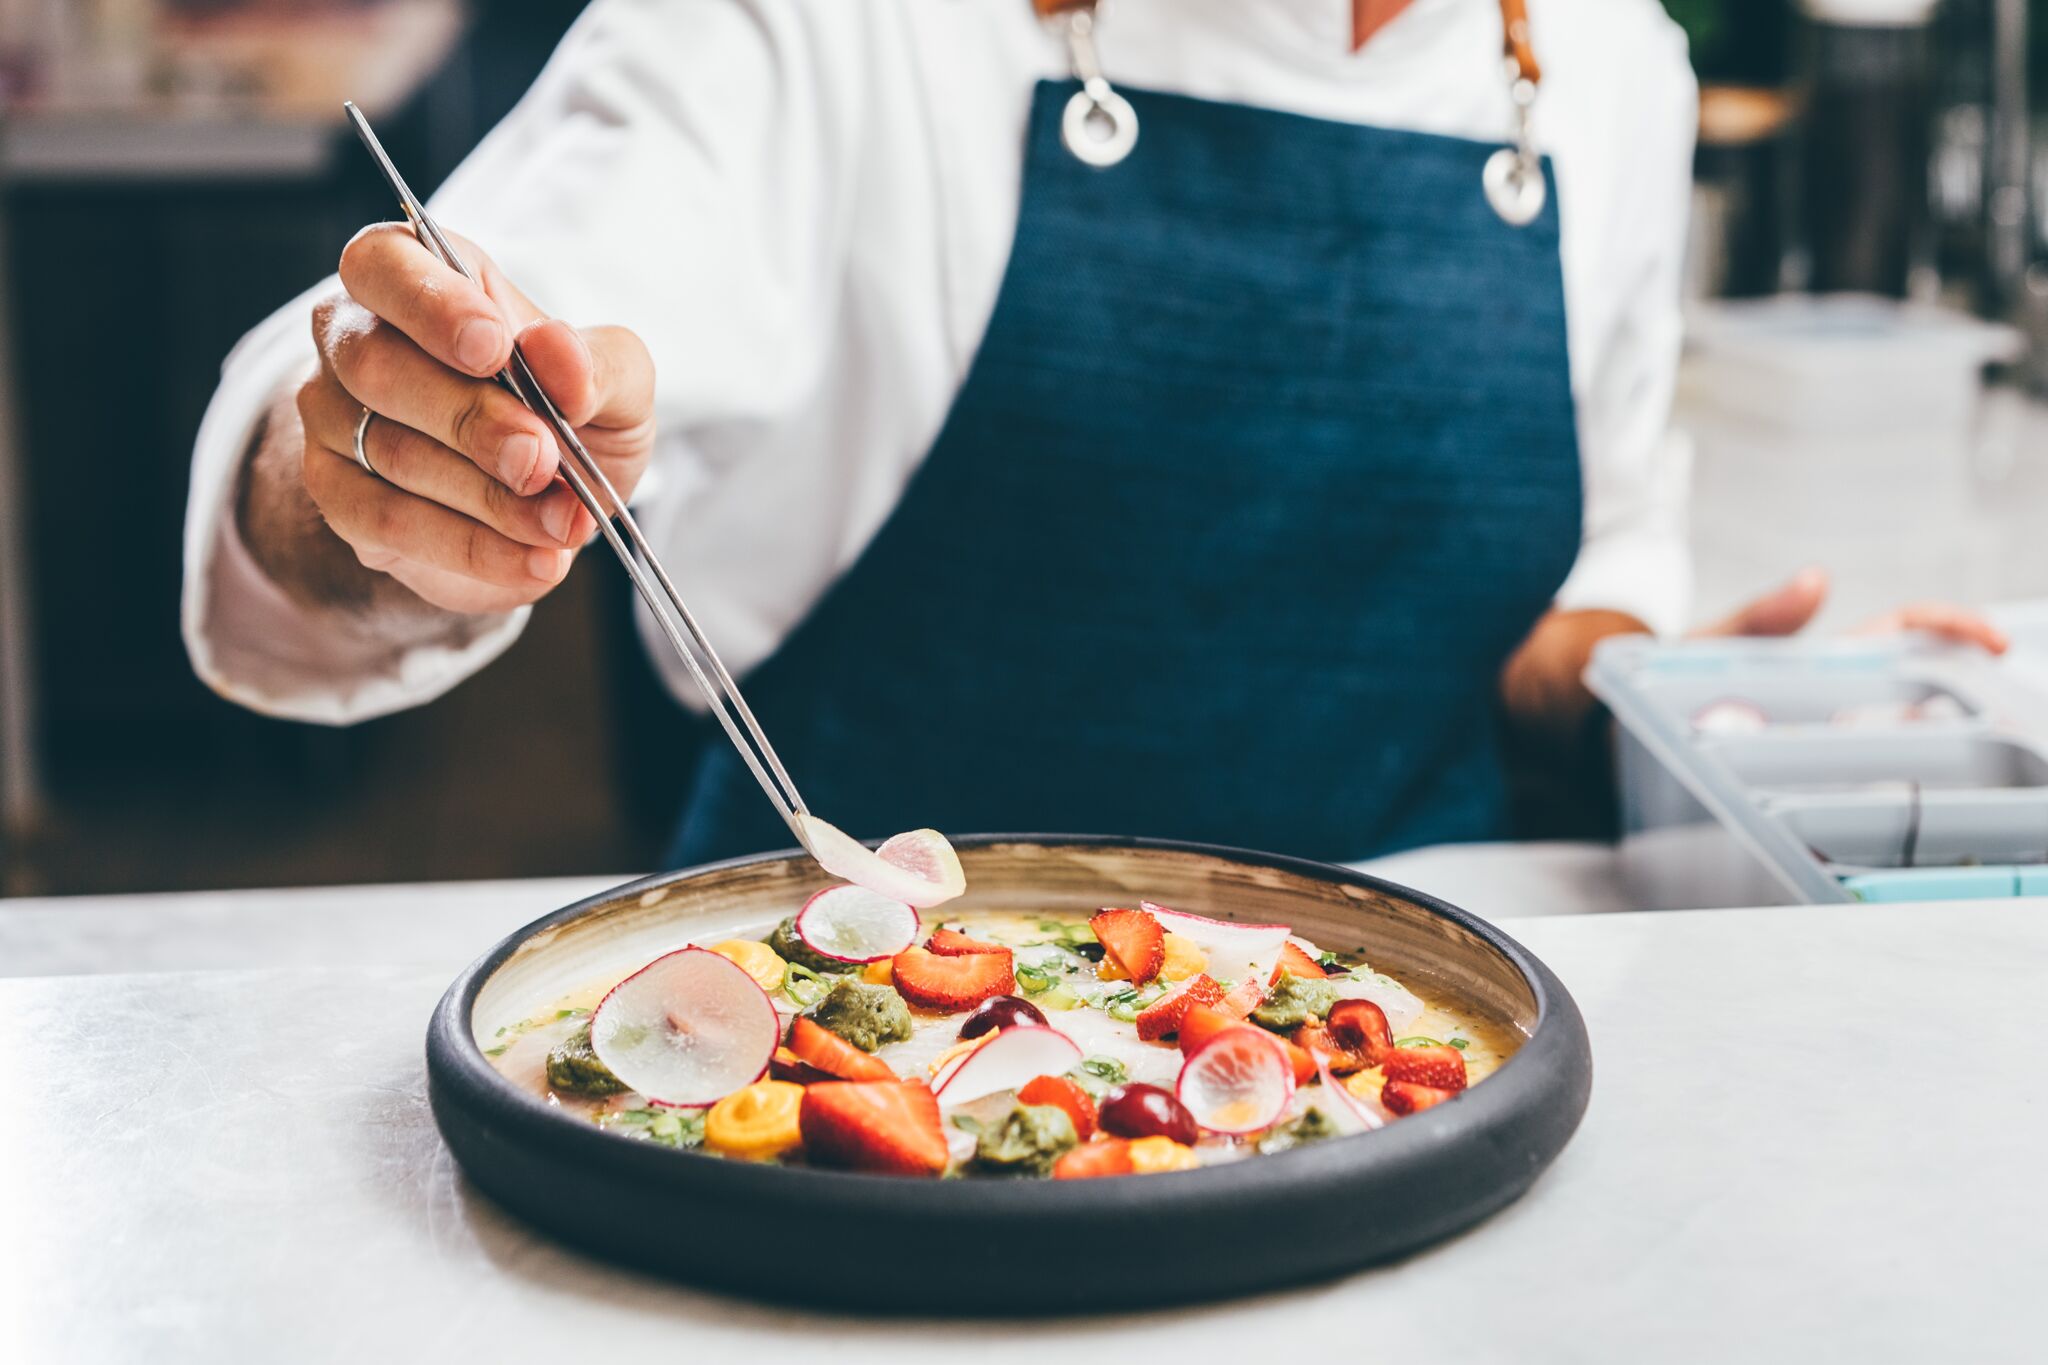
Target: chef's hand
x=1542 y=684
x=466 y=509
x=1787 y=609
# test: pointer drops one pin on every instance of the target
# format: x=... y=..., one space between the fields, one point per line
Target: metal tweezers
x=621 y=531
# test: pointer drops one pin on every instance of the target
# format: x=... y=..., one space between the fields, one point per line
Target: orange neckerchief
x=1370 y=16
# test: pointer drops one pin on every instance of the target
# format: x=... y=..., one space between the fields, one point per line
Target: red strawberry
x=1133 y=940
x=953 y=943
x=1163 y=1015
x=1065 y=1093
x=1295 y=962
x=1199 y=1023
x=1111 y=1156
x=890 y=1126
x=1437 y=1066
x=826 y=1051
x=787 y=1066
x=1405 y=1097
x=1360 y=1027
x=1244 y=997
x=951 y=983
x=1318 y=1041
x=1304 y=1064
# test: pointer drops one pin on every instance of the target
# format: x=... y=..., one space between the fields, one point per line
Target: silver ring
x=362 y=455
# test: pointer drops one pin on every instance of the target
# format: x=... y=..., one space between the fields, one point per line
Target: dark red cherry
x=997 y=1013
x=1139 y=1110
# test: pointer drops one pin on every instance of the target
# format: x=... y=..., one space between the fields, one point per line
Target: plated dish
x=857 y=1034
x=960 y=1230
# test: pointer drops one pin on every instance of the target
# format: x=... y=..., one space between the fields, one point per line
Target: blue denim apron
x=1265 y=465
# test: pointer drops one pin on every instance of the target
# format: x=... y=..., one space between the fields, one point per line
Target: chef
x=1222 y=419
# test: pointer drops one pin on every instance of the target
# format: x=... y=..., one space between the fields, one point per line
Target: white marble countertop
x=1815 y=1135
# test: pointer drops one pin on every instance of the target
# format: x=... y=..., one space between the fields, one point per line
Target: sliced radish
x=1236 y=952
x=1356 y=1113
x=1237 y=1082
x=687 y=1029
x=919 y=868
x=853 y=924
x=1005 y=1062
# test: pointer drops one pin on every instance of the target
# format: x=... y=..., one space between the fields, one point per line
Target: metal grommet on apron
x=1514 y=175
x=1099 y=126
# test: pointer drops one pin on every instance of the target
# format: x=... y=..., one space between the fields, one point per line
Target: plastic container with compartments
x=1759 y=772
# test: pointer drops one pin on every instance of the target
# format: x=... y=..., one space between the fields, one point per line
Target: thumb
x=599 y=376
x=1782 y=611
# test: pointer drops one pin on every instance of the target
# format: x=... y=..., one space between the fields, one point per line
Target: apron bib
x=1265 y=465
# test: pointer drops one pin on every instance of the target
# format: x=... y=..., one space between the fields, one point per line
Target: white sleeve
x=1634 y=556
x=665 y=173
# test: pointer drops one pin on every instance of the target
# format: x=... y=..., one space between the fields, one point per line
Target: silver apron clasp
x=1099 y=126
x=1514 y=175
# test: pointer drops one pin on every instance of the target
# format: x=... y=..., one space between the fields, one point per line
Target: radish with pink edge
x=687 y=1029
x=853 y=924
x=1356 y=1114
x=1005 y=1062
x=1237 y=1082
x=918 y=868
x=1236 y=952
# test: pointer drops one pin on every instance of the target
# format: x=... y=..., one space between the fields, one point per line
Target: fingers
x=399 y=532
x=600 y=376
x=386 y=270
x=417 y=464
x=387 y=372
x=1953 y=623
x=1783 y=611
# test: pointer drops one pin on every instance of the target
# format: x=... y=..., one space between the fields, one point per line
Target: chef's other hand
x=466 y=508
x=1787 y=609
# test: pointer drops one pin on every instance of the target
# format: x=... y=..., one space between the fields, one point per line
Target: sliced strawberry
x=951 y=983
x=890 y=1126
x=1294 y=962
x=1360 y=1027
x=1318 y=1041
x=1111 y=1156
x=1163 y=1015
x=1244 y=997
x=825 y=1050
x=1406 y=1097
x=1304 y=1063
x=787 y=1066
x=1199 y=1023
x=1065 y=1093
x=953 y=943
x=1133 y=940
x=1438 y=1066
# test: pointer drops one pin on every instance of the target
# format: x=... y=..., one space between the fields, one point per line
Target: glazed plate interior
x=1015 y=1246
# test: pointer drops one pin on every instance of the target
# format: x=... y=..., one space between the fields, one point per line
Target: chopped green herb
x=1460 y=1043
x=1313 y=1126
x=680 y=1128
x=497 y=1051
x=1034 y=980
x=803 y=985
x=1098 y=1073
x=1417 y=1041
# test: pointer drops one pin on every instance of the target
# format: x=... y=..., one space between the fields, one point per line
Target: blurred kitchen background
x=1866 y=387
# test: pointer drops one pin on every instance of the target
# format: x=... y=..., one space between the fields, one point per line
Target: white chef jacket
x=805 y=207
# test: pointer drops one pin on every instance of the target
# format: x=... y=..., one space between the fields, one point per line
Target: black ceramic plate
x=992 y=1246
